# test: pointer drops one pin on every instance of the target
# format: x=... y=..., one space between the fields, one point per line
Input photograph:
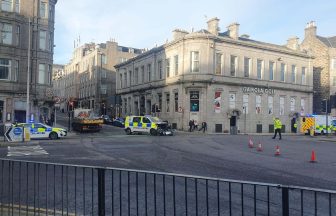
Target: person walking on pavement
x=204 y=127
x=277 y=128
x=190 y=125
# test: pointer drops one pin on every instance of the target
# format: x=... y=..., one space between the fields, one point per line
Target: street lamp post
x=244 y=108
x=28 y=75
x=99 y=82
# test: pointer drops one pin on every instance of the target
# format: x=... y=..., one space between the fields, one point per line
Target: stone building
x=89 y=77
x=232 y=82
x=26 y=42
x=58 y=83
x=323 y=49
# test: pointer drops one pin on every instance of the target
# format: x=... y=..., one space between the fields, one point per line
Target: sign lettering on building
x=258 y=90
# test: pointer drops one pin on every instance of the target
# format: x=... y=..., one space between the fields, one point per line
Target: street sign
x=14 y=134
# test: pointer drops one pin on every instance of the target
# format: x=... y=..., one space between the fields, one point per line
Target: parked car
x=39 y=130
x=119 y=122
x=107 y=119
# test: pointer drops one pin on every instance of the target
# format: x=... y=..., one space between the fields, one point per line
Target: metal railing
x=34 y=188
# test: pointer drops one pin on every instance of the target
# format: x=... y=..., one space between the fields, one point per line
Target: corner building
x=26 y=44
x=232 y=82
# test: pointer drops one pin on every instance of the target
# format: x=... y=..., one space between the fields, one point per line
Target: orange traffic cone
x=250 y=145
x=259 y=147
x=313 y=157
x=277 y=151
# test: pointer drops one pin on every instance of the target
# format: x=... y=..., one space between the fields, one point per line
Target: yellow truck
x=85 y=120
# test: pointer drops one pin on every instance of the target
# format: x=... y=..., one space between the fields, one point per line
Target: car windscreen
x=155 y=119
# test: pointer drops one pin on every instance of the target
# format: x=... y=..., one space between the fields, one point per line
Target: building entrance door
x=233 y=125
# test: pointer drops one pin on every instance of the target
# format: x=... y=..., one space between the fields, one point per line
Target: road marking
x=26 y=150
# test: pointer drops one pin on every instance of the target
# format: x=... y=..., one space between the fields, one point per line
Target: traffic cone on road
x=313 y=157
x=259 y=147
x=250 y=145
x=277 y=151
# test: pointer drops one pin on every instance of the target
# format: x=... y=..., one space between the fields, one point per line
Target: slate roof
x=328 y=41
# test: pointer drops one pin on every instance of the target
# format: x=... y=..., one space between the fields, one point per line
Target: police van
x=147 y=124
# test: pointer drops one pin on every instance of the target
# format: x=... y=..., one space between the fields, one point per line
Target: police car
x=147 y=124
x=39 y=131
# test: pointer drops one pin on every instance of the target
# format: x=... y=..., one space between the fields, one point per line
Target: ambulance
x=316 y=124
x=147 y=124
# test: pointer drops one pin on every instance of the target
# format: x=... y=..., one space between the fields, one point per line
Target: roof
x=328 y=41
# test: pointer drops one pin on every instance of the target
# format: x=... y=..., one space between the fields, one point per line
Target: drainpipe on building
x=28 y=75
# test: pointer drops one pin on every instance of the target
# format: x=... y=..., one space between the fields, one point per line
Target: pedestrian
x=190 y=125
x=204 y=127
x=195 y=125
x=277 y=128
x=295 y=127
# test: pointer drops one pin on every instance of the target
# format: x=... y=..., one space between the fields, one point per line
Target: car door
x=40 y=131
x=137 y=125
x=146 y=124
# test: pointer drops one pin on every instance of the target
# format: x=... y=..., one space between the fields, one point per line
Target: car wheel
x=53 y=136
x=128 y=131
x=153 y=132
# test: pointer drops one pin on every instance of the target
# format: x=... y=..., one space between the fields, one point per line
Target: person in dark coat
x=190 y=125
x=204 y=127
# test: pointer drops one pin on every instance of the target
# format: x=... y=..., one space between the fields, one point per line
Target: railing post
x=285 y=201
x=101 y=192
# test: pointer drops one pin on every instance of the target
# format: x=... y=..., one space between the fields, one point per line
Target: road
x=218 y=156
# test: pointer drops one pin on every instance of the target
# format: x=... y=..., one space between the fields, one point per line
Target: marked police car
x=147 y=124
x=39 y=131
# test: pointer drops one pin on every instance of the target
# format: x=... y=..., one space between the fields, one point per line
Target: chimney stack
x=234 y=30
x=293 y=43
x=213 y=25
x=179 y=33
x=310 y=30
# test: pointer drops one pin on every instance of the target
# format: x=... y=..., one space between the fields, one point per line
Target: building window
x=6 y=33
x=149 y=72
x=334 y=81
x=42 y=74
x=303 y=76
x=258 y=104
x=194 y=61
x=143 y=74
x=43 y=40
x=271 y=70
x=302 y=110
x=232 y=100
x=194 y=101
x=245 y=103
x=176 y=65
x=259 y=68
x=168 y=67
x=270 y=105
x=130 y=77
x=247 y=66
x=167 y=102
x=282 y=105
x=103 y=59
x=293 y=74
x=125 y=79
x=104 y=73
x=5 y=69
x=6 y=5
x=218 y=63
x=17 y=38
x=160 y=102
x=17 y=6
x=292 y=104
x=160 y=69
x=43 y=9
x=136 y=75
x=333 y=63
x=282 y=72
x=16 y=70
x=121 y=81
x=233 y=65
x=176 y=101
x=1 y=110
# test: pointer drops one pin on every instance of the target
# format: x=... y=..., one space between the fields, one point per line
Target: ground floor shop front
x=225 y=108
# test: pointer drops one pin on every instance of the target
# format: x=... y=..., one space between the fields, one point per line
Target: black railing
x=33 y=188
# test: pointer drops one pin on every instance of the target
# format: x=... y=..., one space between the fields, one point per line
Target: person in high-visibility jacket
x=295 y=127
x=277 y=128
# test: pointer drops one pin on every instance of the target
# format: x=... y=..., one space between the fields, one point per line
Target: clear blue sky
x=144 y=23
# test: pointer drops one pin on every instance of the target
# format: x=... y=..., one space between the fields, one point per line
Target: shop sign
x=258 y=90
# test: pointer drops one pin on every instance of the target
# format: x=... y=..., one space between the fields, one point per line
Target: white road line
x=26 y=151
